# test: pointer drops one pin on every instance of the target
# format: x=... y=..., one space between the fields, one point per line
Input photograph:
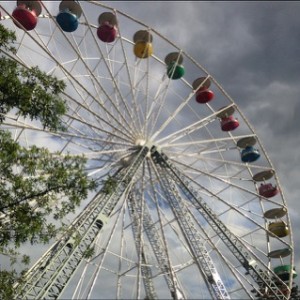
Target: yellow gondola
x=143 y=44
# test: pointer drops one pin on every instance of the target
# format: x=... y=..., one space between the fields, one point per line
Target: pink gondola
x=268 y=190
x=107 y=30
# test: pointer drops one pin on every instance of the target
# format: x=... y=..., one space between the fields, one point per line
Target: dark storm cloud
x=252 y=49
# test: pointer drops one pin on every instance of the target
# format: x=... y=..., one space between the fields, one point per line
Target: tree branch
x=40 y=194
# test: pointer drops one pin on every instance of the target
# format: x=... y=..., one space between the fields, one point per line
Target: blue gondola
x=250 y=154
x=67 y=21
x=68 y=16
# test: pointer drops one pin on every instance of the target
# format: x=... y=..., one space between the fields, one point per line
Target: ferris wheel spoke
x=140 y=91
x=86 y=106
x=96 y=154
x=231 y=207
x=227 y=162
x=144 y=127
x=135 y=109
x=140 y=85
x=109 y=165
x=112 y=76
x=160 y=102
x=60 y=135
x=75 y=80
x=91 y=73
x=210 y=141
x=126 y=64
x=227 y=180
x=99 y=129
x=190 y=128
x=68 y=125
x=250 y=245
x=99 y=118
x=173 y=115
x=144 y=110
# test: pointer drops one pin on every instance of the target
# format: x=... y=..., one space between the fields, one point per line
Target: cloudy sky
x=252 y=49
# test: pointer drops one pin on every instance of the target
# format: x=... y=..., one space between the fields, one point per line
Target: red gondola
x=25 y=15
x=229 y=123
x=204 y=95
x=268 y=190
x=201 y=86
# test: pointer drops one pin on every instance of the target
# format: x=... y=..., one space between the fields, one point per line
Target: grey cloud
x=252 y=49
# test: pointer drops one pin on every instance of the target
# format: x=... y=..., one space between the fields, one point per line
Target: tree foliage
x=7 y=38
x=7 y=280
x=31 y=92
x=110 y=184
x=45 y=183
x=37 y=186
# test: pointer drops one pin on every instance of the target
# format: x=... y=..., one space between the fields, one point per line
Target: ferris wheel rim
x=137 y=140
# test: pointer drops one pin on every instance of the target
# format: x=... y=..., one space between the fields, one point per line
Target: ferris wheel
x=189 y=206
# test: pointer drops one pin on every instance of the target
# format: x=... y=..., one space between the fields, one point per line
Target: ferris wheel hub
x=140 y=142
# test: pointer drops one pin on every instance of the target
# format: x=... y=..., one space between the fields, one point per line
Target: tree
x=110 y=184
x=45 y=183
x=30 y=91
x=35 y=184
x=7 y=279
